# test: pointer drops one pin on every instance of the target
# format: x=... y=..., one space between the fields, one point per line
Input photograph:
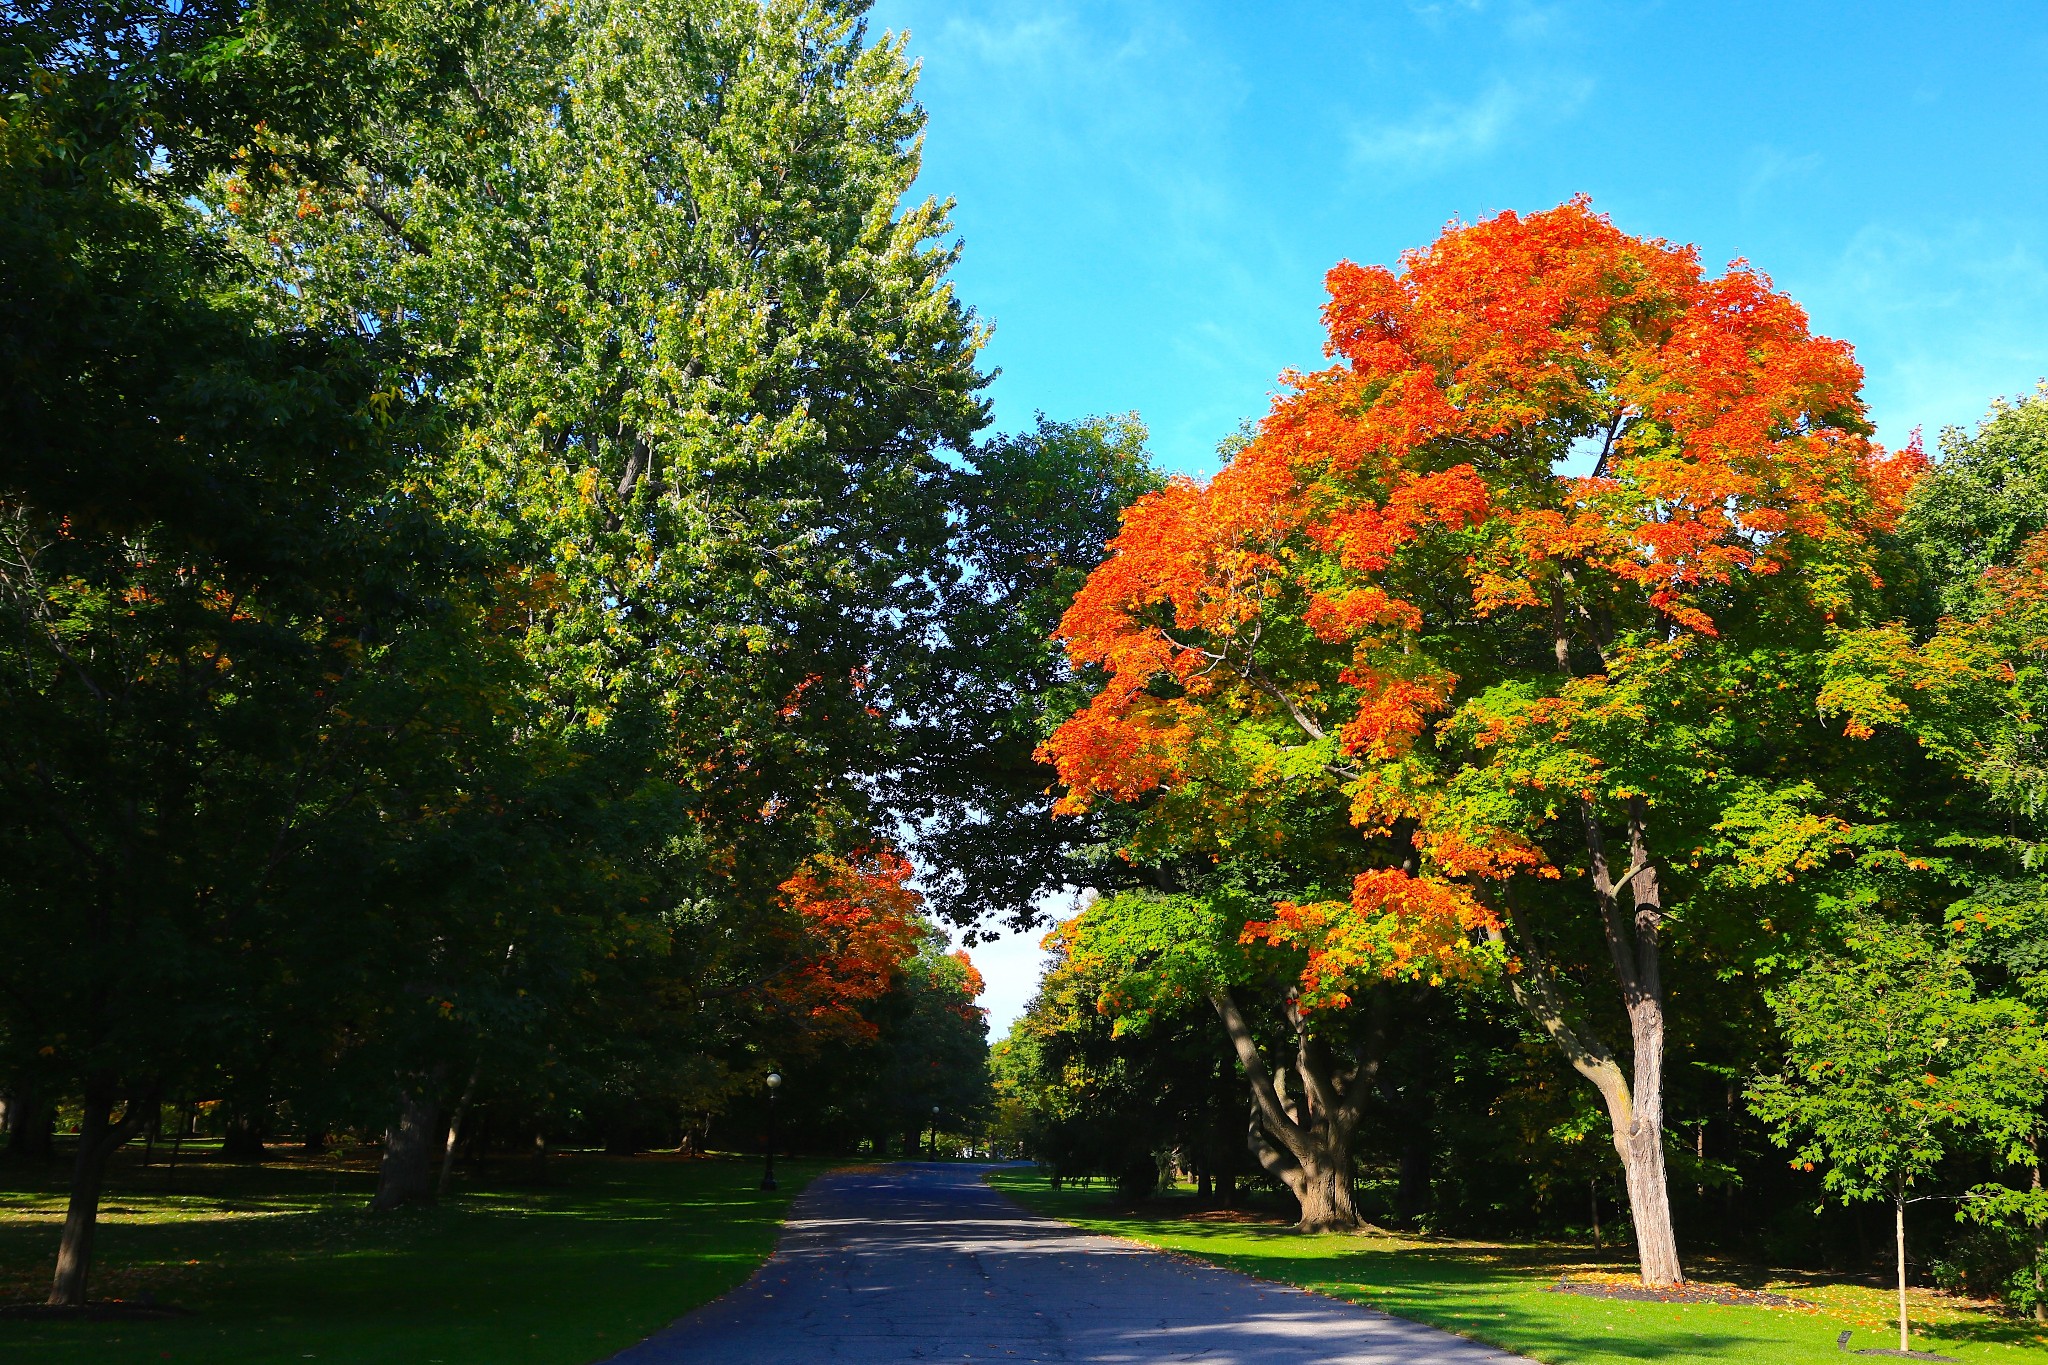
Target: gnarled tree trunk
x=406 y=1174
x=1304 y=1138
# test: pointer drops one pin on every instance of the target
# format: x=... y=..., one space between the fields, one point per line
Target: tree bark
x=1304 y=1141
x=1634 y=1102
x=406 y=1174
x=1635 y=1105
x=455 y=1132
x=1633 y=942
x=99 y=1137
x=1899 y=1223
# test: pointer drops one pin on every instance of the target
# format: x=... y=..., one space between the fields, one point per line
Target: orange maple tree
x=1490 y=575
x=859 y=924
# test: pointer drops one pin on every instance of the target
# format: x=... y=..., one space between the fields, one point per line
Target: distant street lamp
x=768 y=1170
x=935 y=1133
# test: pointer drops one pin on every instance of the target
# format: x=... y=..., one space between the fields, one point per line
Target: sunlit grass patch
x=1500 y=1292
x=283 y=1263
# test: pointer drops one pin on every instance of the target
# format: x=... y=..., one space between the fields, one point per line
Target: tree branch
x=1264 y=1096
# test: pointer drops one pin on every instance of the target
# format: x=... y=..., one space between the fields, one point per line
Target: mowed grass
x=282 y=1263
x=1500 y=1293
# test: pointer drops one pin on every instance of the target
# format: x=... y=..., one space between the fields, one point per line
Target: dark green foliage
x=1032 y=515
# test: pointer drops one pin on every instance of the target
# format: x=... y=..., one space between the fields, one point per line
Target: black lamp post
x=934 y=1149
x=768 y=1168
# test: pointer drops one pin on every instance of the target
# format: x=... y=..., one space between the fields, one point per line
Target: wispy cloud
x=1771 y=167
x=1024 y=42
x=1948 y=312
x=1447 y=131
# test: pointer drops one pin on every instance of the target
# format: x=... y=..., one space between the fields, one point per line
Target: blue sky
x=1150 y=193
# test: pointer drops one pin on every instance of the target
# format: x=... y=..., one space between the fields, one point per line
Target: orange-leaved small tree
x=858 y=922
x=1537 y=574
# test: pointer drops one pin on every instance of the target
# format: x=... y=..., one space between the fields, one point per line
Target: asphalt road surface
x=916 y=1262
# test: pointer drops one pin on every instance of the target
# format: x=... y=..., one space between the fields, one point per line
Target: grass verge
x=1499 y=1293
x=281 y=1262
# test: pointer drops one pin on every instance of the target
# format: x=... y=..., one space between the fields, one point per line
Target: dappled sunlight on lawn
x=283 y=1259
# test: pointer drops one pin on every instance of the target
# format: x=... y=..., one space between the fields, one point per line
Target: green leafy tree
x=1085 y=1097
x=1986 y=498
x=1963 y=694
x=700 y=357
x=1892 y=1061
x=232 y=639
x=1311 y=1057
x=1033 y=514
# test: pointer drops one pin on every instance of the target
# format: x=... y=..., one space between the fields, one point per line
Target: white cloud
x=1772 y=167
x=1024 y=42
x=1448 y=131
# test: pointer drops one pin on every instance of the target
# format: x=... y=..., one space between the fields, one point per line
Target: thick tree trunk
x=1304 y=1140
x=1325 y=1196
x=243 y=1138
x=1634 y=1102
x=406 y=1175
x=99 y=1137
x=1634 y=944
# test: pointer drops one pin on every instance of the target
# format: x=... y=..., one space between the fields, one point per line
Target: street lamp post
x=768 y=1167
x=934 y=1148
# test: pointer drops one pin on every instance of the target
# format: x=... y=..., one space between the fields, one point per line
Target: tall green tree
x=701 y=359
x=227 y=627
x=1033 y=513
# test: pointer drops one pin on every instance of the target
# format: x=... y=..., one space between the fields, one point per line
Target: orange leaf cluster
x=860 y=925
x=1394 y=927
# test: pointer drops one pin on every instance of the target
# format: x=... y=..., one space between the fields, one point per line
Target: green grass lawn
x=1498 y=1293
x=281 y=1262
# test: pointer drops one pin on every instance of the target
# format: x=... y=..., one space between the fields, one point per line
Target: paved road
x=915 y=1262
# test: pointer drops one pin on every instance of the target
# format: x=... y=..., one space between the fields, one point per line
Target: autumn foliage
x=1539 y=434
x=860 y=923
